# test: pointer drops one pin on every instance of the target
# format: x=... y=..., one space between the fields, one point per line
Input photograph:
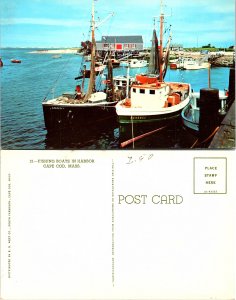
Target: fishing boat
x=189 y=64
x=81 y=108
x=134 y=63
x=191 y=113
x=137 y=63
x=16 y=61
x=151 y=98
x=122 y=82
x=193 y=64
x=176 y=63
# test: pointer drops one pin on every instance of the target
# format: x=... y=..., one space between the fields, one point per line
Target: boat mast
x=91 y=87
x=161 y=41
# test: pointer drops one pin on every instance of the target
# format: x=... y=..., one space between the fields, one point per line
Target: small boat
x=189 y=64
x=194 y=65
x=16 y=61
x=191 y=113
x=176 y=64
x=56 y=56
x=151 y=98
x=1 y=62
x=136 y=63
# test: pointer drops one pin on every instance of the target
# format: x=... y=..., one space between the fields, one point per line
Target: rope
x=57 y=80
x=207 y=139
x=194 y=144
x=124 y=144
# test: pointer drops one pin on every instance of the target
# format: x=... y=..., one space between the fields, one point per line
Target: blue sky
x=65 y=23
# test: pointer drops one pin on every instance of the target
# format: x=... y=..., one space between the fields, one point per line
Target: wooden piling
x=231 y=97
x=209 y=104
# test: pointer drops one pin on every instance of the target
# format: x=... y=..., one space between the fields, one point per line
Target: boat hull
x=57 y=117
x=149 y=134
x=128 y=115
x=16 y=61
x=193 y=126
x=139 y=119
x=173 y=66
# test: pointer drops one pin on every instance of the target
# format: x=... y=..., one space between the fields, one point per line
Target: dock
x=225 y=136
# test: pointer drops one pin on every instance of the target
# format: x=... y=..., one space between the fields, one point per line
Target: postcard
x=117 y=150
x=108 y=225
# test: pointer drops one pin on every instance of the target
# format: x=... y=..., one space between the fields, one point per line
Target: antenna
x=161 y=6
x=111 y=14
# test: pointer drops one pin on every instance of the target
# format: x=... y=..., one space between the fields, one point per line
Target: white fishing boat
x=137 y=63
x=134 y=63
x=189 y=64
x=194 y=65
x=151 y=98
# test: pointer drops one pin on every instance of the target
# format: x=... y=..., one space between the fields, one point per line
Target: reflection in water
x=111 y=135
x=99 y=136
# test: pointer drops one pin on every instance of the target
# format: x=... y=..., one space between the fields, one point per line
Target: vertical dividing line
x=132 y=126
x=113 y=226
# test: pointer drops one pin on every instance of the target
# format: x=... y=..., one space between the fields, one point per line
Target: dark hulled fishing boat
x=71 y=110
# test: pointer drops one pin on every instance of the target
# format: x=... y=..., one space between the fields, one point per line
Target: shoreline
x=225 y=59
x=55 y=51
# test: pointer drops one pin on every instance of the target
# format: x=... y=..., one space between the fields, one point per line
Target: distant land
x=43 y=48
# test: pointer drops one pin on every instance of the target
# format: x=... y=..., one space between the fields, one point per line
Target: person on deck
x=78 y=91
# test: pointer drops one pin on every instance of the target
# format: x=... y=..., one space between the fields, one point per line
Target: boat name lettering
x=138 y=118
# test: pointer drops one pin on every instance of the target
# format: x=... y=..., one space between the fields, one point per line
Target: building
x=120 y=43
x=176 y=47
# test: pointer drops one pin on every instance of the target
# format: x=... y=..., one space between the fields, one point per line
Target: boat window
x=123 y=82
x=152 y=92
x=134 y=90
x=142 y=91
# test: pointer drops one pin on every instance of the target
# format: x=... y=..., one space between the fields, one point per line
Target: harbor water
x=25 y=85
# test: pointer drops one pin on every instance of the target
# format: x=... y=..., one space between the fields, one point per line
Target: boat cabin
x=158 y=94
x=120 y=82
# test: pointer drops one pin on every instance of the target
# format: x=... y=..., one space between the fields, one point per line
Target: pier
x=225 y=136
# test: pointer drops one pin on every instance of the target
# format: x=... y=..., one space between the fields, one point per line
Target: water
x=25 y=85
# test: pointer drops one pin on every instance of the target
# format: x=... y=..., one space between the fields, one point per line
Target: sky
x=65 y=23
